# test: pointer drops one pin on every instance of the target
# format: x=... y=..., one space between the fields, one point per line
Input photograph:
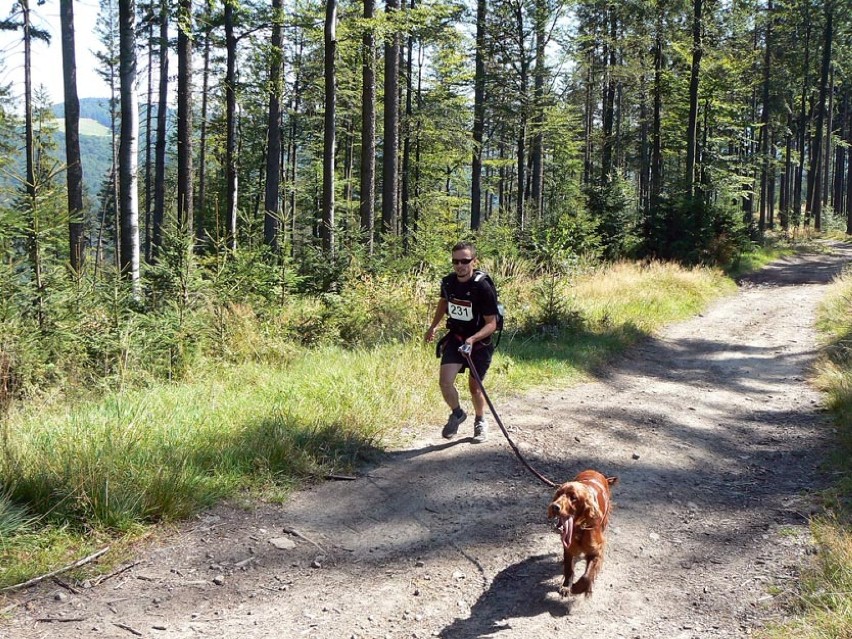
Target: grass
x=87 y=127
x=79 y=475
x=775 y=247
x=825 y=597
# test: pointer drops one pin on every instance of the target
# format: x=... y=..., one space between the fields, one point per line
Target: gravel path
x=711 y=427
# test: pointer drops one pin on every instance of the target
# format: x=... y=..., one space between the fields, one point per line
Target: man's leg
x=482 y=361
x=451 y=396
x=447 y=381
x=476 y=396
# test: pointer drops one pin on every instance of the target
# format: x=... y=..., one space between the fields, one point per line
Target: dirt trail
x=711 y=427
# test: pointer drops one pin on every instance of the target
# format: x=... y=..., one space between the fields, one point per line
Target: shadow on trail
x=534 y=577
x=411 y=453
x=791 y=271
x=452 y=495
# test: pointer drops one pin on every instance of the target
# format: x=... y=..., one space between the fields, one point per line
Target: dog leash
x=465 y=350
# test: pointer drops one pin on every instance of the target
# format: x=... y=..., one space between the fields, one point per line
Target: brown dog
x=582 y=508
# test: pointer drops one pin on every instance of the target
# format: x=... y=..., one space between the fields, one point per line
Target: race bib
x=461 y=310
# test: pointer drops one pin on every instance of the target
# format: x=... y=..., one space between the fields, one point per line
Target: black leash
x=465 y=350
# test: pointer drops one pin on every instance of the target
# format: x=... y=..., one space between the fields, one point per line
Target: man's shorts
x=481 y=356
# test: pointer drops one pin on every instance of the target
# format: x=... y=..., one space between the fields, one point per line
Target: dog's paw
x=581 y=586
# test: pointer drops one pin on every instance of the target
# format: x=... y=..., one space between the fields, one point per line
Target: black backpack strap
x=482 y=276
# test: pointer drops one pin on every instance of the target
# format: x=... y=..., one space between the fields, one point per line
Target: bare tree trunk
x=34 y=232
x=826 y=178
x=609 y=97
x=644 y=154
x=770 y=186
x=764 y=120
x=849 y=179
x=184 y=117
x=787 y=176
x=802 y=121
x=417 y=140
x=368 y=129
x=391 y=126
x=541 y=17
x=74 y=172
x=692 y=127
x=149 y=100
x=160 y=145
x=815 y=192
x=272 y=200
x=522 y=116
x=28 y=100
x=478 y=117
x=128 y=156
x=201 y=200
x=405 y=195
x=840 y=156
x=294 y=129
x=329 y=140
x=656 y=174
x=231 y=176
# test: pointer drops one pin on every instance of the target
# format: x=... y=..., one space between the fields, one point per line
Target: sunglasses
x=464 y=260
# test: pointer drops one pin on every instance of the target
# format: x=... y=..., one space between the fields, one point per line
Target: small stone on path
x=283 y=543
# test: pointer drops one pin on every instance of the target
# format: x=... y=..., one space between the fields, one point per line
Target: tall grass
x=825 y=602
x=287 y=406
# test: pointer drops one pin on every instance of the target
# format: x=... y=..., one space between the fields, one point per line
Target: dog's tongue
x=567 y=531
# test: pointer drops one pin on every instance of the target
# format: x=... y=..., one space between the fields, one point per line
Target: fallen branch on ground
x=100 y=580
x=293 y=531
x=60 y=619
x=76 y=564
x=132 y=631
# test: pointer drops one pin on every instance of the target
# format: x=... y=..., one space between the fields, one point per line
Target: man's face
x=463 y=263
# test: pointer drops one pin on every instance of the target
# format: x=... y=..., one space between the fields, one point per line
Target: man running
x=470 y=303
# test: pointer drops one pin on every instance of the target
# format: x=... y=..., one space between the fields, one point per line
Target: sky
x=47 y=59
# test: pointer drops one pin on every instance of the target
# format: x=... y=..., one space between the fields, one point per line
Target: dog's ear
x=612 y=481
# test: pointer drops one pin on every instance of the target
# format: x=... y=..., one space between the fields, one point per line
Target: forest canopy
x=258 y=153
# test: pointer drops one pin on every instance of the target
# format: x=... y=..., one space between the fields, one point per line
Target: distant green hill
x=96 y=109
x=95 y=143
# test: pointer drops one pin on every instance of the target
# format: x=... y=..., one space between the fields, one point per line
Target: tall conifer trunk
x=272 y=199
x=405 y=199
x=478 y=117
x=764 y=121
x=201 y=201
x=541 y=17
x=149 y=135
x=231 y=174
x=522 y=117
x=74 y=172
x=609 y=97
x=160 y=144
x=391 y=125
x=656 y=172
x=694 y=77
x=802 y=120
x=329 y=140
x=184 y=117
x=367 y=204
x=815 y=176
x=840 y=155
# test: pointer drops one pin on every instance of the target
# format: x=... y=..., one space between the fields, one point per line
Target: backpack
x=482 y=276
